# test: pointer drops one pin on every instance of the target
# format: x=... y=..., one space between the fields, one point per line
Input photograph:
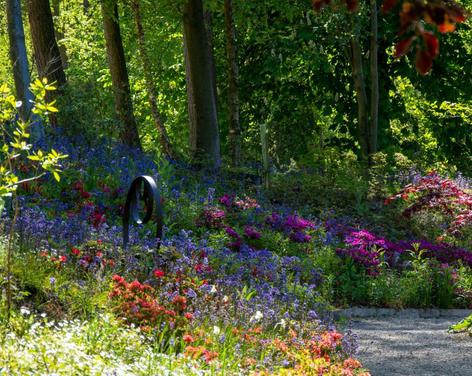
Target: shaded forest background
x=295 y=73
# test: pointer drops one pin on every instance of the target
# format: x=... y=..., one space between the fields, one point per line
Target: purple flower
x=231 y=232
x=294 y=222
x=300 y=237
x=274 y=220
x=227 y=200
x=252 y=233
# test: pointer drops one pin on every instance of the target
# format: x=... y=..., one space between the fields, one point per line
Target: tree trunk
x=19 y=62
x=163 y=137
x=374 y=79
x=233 y=92
x=86 y=6
x=119 y=74
x=359 y=84
x=56 y=8
x=204 y=137
x=209 y=33
x=46 y=51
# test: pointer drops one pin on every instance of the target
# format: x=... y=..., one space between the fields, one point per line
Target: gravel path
x=394 y=346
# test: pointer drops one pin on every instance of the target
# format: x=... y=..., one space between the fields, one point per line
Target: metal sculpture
x=143 y=188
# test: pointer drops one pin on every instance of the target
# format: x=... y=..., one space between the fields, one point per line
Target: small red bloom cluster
x=197 y=352
x=58 y=261
x=143 y=305
x=92 y=256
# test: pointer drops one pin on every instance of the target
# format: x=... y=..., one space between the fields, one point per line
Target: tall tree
x=119 y=74
x=56 y=8
x=19 y=62
x=204 y=136
x=151 y=90
x=361 y=96
x=233 y=92
x=208 y=17
x=374 y=78
x=46 y=52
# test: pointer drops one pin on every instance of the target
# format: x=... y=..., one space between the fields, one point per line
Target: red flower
x=158 y=273
x=75 y=251
x=188 y=315
x=117 y=278
x=85 y=194
x=63 y=258
x=188 y=338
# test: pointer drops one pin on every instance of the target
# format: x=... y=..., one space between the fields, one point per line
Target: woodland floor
x=409 y=347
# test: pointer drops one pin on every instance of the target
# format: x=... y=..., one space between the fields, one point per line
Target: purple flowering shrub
x=370 y=250
x=246 y=223
x=411 y=273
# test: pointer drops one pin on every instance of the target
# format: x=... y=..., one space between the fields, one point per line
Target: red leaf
x=424 y=62
x=432 y=43
x=402 y=47
x=388 y=5
x=460 y=17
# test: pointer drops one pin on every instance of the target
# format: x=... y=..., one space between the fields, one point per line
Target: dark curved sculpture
x=143 y=188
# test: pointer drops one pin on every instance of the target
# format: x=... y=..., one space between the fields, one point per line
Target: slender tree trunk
x=204 y=136
x=209 y=33
x=361 y=95
x=119 y=74
x=56 y=8
x=19 y=62
x=46 y=51
x=374 y=79
x=233 y=86
x=192 y=114
x=163 y=137
x=86 y=6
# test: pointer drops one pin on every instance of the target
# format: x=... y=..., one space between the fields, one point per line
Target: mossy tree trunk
x=119 y=74
x=204 y=134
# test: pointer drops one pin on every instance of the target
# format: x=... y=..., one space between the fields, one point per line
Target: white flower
x=257 y=316
x=216 y=330
x=25 y=311
x=213 y=289
x=225 y=299
x=282 y=323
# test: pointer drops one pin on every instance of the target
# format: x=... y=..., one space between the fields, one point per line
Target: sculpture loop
x=143 y=188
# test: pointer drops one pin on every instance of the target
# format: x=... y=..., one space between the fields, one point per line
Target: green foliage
x=435 y=130
x=421 y=283
x=16 y=149
x=463 y=326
